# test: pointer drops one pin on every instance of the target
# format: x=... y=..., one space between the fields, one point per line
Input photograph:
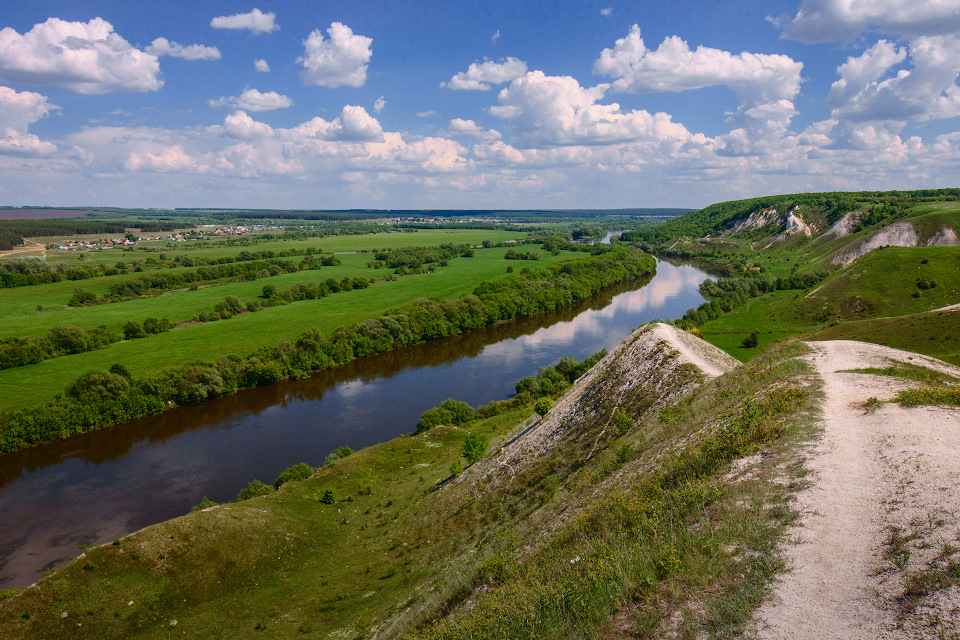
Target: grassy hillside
x=403 y=543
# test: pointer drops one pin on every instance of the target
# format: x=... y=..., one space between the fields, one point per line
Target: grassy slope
x=288 y=566
x=242 y=334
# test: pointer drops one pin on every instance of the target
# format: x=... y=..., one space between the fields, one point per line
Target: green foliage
x=82 y=297
x=254 y=489
x=456 y=468
x=133 y=329
x=336 y=454
x=300 y=471
x=949 y=395
x=752 y=340
x=206 y=503
x=433 y=417
x=552 y=380
x=329 y=497
x=460 y=412
x=474 y=447
x=542 y=406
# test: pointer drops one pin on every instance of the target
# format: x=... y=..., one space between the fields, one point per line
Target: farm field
x=240 y=335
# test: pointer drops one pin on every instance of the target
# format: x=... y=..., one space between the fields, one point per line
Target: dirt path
x=28 y=247
x=873 y=473
x=711 y=360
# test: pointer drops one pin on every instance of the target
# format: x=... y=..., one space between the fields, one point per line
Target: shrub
x=751 y=341
x=474 y=447
x=328 y=497
x=81 y=297
x=206 y=503
x=155 y=325
x=133 y=329
x=120 y=370
x=460 y=412
x=543 y=406
x=253 y=489
x=300 y=471
x=336 y=454
x=433 y=417
x=456 y=468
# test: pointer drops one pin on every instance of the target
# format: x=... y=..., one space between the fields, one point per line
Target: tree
x=433 y=417
x=253 y=489
x=752 y=340
x=133 y=329
x=474 y=447
x=543 y=406
x=300 y=471
x=460 y=412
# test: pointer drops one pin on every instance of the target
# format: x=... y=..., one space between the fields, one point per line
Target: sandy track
x=708 y=358
x=892 y=467
x=29 y=246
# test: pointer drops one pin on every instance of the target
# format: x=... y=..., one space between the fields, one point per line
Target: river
x=99 y=486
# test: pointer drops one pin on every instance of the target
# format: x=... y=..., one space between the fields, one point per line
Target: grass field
x=240 y=335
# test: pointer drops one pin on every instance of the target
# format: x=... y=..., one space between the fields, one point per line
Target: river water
x=102 y=485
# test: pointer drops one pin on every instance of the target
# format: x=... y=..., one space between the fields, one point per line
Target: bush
x=155 y=325
x=460 y=412
x=253 y=489
x=81 y=297
x=433 y=417
x=300 y=471
x=751 y=341
x=474 y=447
x=336 y=454
x=133 y=329
x=543 y=406
x=328 y=497
x=456 y=468
x=206 y=503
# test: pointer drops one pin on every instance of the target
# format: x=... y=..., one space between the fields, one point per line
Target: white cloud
x=353 y=124
x=338 y=61
x=831 y=20
x=170 y=159
x=871 y=89
x=241 y=126
x=673 y=66
x=555 y=110
x=495 y=37
x=606 y=12
x=261 y=66
x=83 y=57
x=253 y=100
x=163 y=47
x=481 y=76
x=17 y=112
x=254 y=21
x=460 y=127
x=379 y=105
x=426 y=114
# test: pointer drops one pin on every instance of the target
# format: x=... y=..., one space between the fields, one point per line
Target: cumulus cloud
x=673 y=66
x=241 y=126
x=872 y=88
x=460 y=127
x=379 y=105
x=353 y=124
x=253 y=100
x=163 y=47
x=555 y=110
x=338 y=61
x=17 y=112
x=169 y=159
x=481 y=76
x=83 y=57
x=261 y=66
x=254 y=21
x=831 y=20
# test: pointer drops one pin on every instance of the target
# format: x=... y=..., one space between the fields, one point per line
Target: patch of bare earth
x=880 y=524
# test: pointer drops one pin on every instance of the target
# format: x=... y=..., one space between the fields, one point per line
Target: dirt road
x=884 y=499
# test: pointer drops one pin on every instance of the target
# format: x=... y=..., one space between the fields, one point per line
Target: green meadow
x=240 y=335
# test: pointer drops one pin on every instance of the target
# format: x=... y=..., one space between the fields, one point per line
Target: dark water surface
x=101 y=485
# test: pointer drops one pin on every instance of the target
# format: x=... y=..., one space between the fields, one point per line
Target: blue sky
x=464 y=104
